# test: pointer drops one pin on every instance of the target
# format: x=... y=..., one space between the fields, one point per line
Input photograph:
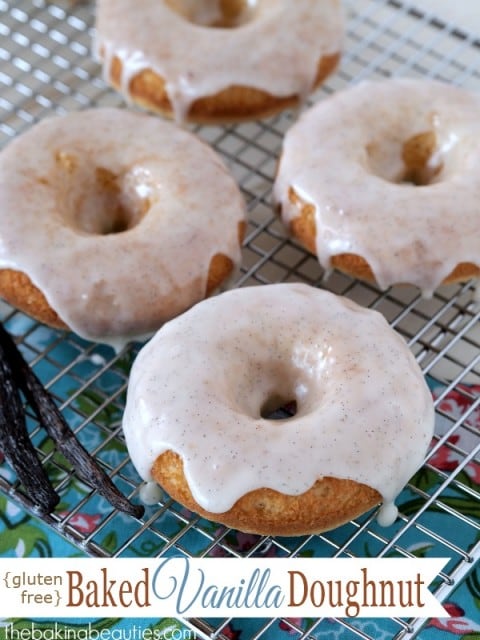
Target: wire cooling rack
x=45 y=67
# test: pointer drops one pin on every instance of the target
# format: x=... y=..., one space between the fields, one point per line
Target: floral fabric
x=22 y=535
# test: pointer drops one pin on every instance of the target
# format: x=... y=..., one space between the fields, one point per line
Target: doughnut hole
x=418 y=155
x=224 y=14
x=419 y=160
x=97 y=201
x=277 y=395
x=275 y=383
x=278 y=408
x=280 y=399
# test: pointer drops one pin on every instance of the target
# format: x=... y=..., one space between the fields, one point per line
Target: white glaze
x=387 y=514
x=344 y=156
x=197 y=388
x=150 y=493
x=118 y=286
x=277 y=51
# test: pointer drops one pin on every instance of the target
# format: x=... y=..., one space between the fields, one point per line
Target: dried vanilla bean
x=16 y=446
x=65 y=440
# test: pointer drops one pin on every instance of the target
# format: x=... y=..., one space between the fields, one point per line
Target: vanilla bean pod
x=16 y=445
x=66 y=442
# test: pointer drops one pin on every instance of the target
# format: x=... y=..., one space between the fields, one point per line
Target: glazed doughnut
x=381 y=182
x=113 y=222
x=218 y=60
x=200 y=393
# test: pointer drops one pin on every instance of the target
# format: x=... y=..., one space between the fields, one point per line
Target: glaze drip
x=389 y=170
x=271 y=45
x=363 y=410
x=119 y=218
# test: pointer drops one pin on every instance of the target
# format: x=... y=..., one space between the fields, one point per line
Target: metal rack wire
x=46 y=67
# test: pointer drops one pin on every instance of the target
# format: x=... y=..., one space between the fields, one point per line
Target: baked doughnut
x=113 y=222
x=199 y=392
x=218 y=60
x=381 y=182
